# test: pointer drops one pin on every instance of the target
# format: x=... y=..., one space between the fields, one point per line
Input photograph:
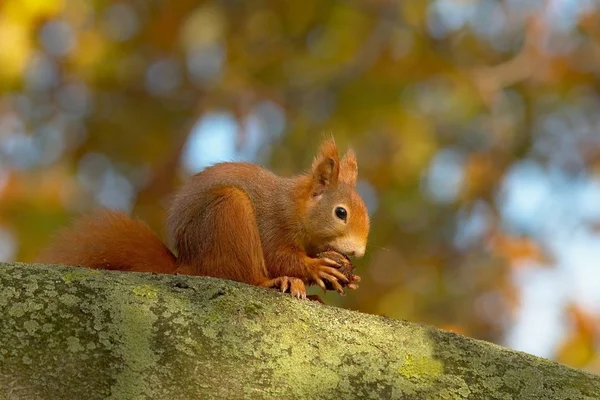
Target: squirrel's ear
x=326 y=167
x=349 y=168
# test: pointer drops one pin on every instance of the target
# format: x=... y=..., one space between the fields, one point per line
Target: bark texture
x=73 y=333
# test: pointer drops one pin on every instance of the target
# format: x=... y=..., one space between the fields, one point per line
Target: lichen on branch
x=74 y=333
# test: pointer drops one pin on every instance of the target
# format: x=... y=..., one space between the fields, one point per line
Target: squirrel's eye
x=341 y=213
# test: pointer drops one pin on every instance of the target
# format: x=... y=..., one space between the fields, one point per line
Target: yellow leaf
x=15 y=49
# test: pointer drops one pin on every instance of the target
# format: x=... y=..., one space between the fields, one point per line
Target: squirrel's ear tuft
x=349 y=168
x=326 y=167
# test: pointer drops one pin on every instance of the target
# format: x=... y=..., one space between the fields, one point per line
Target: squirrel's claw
x=331 y=274
x=328 y=261
x=320 y=282
x=320 y=269
x=297 y=288
x=334 y=282
x=353 y=285
x=283 y=283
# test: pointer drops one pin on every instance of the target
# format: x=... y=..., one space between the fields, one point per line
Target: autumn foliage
x=475 y=124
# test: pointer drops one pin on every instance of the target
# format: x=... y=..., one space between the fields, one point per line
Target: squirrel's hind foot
x=295 y=286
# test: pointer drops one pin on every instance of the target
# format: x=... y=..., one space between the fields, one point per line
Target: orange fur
x=236 y=221
x=110 y=240
x=229 y=236
x=349 y=168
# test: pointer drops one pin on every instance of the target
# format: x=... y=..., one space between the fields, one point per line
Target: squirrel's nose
x=358 y=253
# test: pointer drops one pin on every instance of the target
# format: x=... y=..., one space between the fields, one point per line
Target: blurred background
x=476 y=124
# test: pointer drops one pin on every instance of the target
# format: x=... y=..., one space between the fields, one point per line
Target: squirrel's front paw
x=344 y=265
x=325 y=268
x=295 y=285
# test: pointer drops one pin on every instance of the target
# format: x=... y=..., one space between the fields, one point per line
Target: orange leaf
x=517 y=249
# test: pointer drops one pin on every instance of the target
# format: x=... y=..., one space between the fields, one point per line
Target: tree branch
x=74 y=333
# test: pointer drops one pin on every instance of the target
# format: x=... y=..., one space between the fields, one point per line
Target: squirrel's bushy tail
x=110 y=240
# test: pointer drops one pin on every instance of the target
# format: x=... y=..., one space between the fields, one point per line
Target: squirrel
x=237 y=221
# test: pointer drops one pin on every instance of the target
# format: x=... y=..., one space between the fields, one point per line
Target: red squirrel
x=237 y=221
